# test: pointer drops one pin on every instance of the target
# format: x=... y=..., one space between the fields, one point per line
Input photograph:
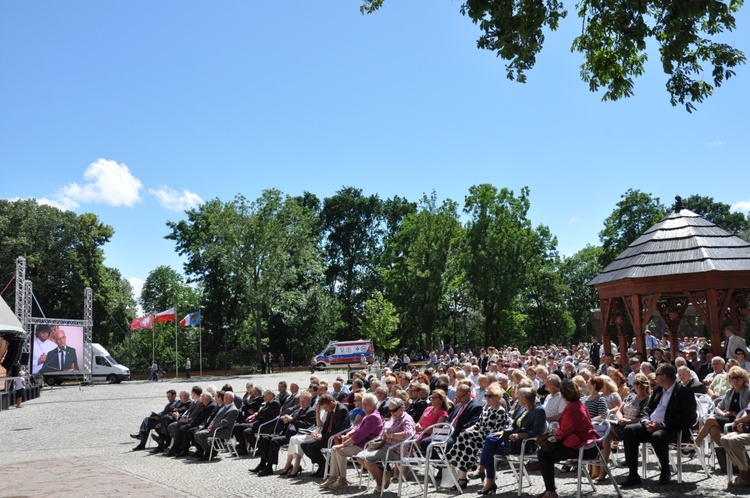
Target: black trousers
x=635 y=434
x=312 y=450
x=547 y=461
x=269 y=447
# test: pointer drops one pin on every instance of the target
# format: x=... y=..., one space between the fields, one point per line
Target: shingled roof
x=681 y=243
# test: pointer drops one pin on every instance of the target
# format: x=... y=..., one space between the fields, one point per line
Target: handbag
x=375 y=444
x=549 y=444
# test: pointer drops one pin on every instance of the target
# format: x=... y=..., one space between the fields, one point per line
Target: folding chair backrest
x=602 y=428
x=441 y=432
x=705 y=405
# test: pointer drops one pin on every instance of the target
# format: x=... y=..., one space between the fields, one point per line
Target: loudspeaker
x=24 y=359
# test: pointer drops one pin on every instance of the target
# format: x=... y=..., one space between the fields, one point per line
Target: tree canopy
x=614 y=41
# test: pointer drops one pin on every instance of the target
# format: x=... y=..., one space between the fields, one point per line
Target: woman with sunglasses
x=465 y=452
x=436 y=413
x=630 y=411
x=735 y=399
x=397 y=429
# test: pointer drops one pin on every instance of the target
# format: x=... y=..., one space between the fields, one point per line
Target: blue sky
x=135 y=110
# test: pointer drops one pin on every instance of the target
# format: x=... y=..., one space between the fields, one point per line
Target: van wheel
x=321 y=366
x=112 y=379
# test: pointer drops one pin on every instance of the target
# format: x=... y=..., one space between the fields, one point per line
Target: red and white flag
x=144 y=322
x=165 y=316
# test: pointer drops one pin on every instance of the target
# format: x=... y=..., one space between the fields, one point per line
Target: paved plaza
x=74 y=442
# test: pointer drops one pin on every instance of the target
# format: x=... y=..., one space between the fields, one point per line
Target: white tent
x=8 y=320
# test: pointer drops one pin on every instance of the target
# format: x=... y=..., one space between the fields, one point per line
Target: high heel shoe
x=462 y=483
x=489 y=491
x=477 y=475
x=285 y=472
x=295 y=474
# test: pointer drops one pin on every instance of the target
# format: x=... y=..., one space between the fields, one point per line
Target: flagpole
x=200 y=345
x=176 y=361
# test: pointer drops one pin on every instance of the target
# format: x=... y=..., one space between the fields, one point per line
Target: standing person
x=281 y=362
x=20 y=386
x=262 y=364
x=187 y=368
x=594 y=353
x=270 y=362
x=154 y=376
x=732 y=343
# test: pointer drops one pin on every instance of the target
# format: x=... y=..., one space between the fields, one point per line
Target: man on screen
x=43 y=344
x=61 y=358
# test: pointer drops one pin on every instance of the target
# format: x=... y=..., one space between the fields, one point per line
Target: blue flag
x=192 y=319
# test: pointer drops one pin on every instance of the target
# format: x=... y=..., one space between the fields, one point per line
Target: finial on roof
x=677 y=203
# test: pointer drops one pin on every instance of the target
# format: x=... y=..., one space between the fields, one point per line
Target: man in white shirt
x=671 y=409
x=42 y=345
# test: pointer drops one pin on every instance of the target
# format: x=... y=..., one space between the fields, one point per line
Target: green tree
x=64 y=255
x=415 y=266
x=634 y=214
x=576 y=272
x=379 y=323
x=353 y=229
x=719 y=213
x=499 y=243
x=207 y=239
x=613 y=40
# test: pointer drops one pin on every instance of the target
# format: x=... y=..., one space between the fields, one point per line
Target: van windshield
x=329 y=352
x=111 y=361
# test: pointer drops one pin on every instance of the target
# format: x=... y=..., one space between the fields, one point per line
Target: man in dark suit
x=465 y=413
x=418 y=393
x=337 y=420
x=258 y=423
x=302 y=418
x=198 y=414
x=671 y=409
x=152 y=420
x=62 y=358
x=161 y=436
x=688 y=382
x=216 y=407
x=221 y=425
x=288 y=399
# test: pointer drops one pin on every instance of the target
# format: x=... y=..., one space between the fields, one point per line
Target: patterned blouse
x=395 y=425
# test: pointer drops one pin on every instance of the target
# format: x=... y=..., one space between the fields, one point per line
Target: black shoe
x=157 y=439
x=489 y=491
x=631 y=482
x=318 y=473
x=198 y=454
x=158 y=449
x=295 y=474
x=260 y=467
x=265 y=472
x=665 y=478
x=140 y=447
x=135 y=436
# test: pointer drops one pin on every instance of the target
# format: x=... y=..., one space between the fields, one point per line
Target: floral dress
x=464 y=454
x=631 y=410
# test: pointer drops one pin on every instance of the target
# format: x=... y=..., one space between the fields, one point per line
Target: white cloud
x=171 y=199
x=741 y=206
x=106 y=183
x=717 y=143
x=574 y=220
x=63 y=203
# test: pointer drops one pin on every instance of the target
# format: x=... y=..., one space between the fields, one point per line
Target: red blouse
x=575 y=428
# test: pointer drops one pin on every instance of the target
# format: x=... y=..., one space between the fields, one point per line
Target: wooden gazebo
x=683 y=260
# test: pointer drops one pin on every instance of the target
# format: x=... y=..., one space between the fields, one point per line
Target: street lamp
x=225 y=327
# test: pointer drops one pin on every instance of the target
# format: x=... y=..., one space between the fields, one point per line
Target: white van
x=345 y=354
x=104 y=368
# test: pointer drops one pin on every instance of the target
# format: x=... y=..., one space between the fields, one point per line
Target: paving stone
x=74 y=442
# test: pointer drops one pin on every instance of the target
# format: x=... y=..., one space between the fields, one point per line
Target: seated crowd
x=497 y=403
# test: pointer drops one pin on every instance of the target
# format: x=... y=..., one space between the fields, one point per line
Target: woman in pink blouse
x=436 y=413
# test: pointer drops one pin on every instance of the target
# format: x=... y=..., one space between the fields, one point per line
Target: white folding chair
x=602 y=428
x=517 y=463
x=327 y=452
x=222 y=444
x=259 y=431
x=436 y=456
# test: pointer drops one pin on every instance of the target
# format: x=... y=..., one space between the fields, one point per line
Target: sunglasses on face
x=733 y=377
x=491 y=396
